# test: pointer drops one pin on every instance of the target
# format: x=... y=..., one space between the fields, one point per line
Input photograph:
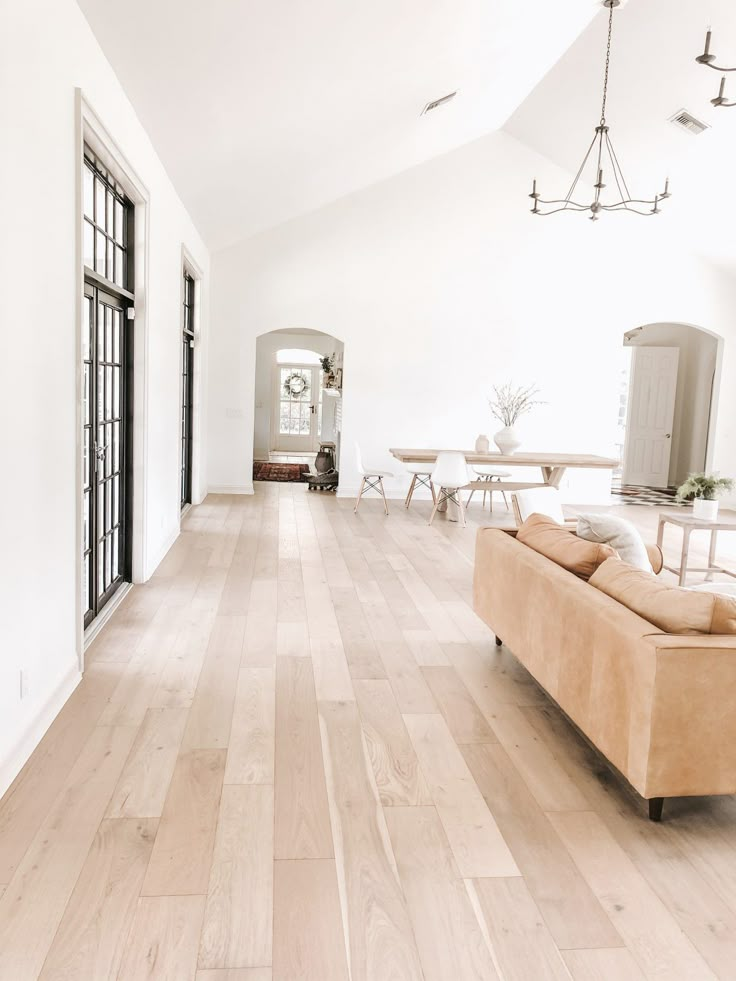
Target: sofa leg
x=655 y=808
x=499 y=642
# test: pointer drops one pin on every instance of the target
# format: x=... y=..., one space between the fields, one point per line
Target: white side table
x=689 y=524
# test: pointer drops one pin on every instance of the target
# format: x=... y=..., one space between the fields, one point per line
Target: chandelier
x=606 y=165
x=707 y=59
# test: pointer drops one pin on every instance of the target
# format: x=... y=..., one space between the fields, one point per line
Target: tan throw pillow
x=550 y=539
x=672 y=609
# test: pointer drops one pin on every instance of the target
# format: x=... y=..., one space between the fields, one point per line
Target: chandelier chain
x=608 y=62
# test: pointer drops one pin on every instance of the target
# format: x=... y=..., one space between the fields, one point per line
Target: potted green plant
x=328 y=375
x=703 y=490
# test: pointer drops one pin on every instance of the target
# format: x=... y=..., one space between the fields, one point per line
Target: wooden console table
x=689 y=524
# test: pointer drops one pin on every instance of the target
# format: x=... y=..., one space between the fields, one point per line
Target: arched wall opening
x=283 y=426
x=669 y=398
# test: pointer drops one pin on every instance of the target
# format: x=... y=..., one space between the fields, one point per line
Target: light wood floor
x=297 y=754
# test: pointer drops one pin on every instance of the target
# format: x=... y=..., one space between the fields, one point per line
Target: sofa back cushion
x=672 y=609
x=546 y=536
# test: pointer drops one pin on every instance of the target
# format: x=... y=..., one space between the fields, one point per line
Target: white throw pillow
x=609 y=529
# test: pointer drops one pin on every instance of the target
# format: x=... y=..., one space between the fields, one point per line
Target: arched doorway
x=297 y=404
x=667 y=410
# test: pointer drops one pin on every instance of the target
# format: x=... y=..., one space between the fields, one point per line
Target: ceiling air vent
x=685 y=120
x=431 y=106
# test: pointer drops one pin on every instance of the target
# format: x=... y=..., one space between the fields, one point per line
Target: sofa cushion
x=550 y=539
x=672 y=609
x=619 y=534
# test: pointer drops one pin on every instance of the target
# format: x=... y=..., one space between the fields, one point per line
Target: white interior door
x=650 y=416
x=296 y=408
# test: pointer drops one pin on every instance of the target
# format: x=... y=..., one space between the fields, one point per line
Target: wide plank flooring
x=298 y=754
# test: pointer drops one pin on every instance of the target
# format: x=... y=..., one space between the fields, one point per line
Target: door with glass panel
x=297 y=408
x=187 y=393
x=107 y=389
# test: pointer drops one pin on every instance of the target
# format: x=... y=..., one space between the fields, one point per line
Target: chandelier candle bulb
x=708 y=59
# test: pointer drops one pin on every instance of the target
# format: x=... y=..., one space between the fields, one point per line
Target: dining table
x=552 y=466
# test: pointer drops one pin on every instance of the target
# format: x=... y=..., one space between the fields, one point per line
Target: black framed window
x=107 y=215
x=107 y=373
x=187 y=390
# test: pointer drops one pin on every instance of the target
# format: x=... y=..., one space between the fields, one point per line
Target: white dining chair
x=422 y=477
x=372 y=479
x=450 y=473
x=489 y=475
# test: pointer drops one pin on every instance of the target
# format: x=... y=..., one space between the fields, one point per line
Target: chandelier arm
x=633 y=211
x=624 y=205
x=617 y=167
x=571 y=191
x=572 y=205
x=715 y=68
x=566 y=206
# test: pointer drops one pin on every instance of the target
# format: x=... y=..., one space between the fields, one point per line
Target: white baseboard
x=162 y=552
x=19 y=756
x=231 y=489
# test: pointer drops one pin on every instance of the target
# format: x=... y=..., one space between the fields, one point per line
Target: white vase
x=482 y=445
x=507 y=440
x=705 y=510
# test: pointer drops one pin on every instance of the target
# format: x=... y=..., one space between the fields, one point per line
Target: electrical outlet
x=25 y=687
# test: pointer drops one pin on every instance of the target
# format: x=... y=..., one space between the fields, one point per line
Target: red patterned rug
x=284 y=473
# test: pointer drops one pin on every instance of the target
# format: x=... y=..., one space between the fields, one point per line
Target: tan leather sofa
x=659 y=707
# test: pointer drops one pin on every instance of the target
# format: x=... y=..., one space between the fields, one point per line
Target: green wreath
x=296 y=385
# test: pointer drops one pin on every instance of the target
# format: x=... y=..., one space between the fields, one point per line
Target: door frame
x=90 y=130
x=276 y=401
x=716 y=384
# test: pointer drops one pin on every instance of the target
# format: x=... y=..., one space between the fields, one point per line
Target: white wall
x=266 y=347
x=695 y=377
x=441 y=283
x=46 y=51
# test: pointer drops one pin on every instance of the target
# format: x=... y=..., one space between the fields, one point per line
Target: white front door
x=297 y=403
x=650 y=416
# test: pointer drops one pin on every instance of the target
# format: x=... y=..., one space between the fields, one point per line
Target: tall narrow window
x=187 y=390
x=107 y=351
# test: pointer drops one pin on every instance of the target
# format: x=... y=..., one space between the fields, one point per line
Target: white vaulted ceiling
x=262 y=111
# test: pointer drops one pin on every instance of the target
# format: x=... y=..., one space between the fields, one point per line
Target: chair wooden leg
x=434 y=496
x=461 y=508
x=437 y=503
x=360 y=494
x=470 y=498
x=383 y=494
x=505 y=500
x=407 y=502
